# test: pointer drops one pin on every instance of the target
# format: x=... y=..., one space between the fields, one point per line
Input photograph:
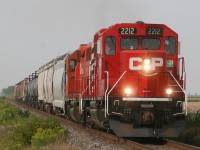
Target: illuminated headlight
x=146 y=61
x=128 y=91
x=169 y=91
x=147 y=65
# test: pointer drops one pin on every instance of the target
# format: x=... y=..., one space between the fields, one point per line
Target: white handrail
x=184 y=91
x=107 y=77
x=80 y=105
x=113 y=88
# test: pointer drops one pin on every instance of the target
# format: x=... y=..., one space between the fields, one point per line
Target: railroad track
x=129 y=143
x=181 y=146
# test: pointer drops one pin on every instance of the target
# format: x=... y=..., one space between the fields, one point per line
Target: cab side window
x=72 y=65
x=110 y=45
x=170 y=45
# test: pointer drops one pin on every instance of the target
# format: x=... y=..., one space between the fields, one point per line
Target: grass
x=193 y=99
x=19 y=130
x=191 y=133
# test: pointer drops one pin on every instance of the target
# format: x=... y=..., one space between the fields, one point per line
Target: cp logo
x=136 y=63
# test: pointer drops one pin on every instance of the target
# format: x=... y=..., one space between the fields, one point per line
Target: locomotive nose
x=143 y=61
x=143 y=72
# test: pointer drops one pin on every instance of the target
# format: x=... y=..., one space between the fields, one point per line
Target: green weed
x=45 y=137
x=22 y=129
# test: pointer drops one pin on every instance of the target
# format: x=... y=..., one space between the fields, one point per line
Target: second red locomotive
x=130 y=80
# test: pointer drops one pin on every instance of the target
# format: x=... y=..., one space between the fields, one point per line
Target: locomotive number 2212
x=127 y=30
x=154 y=31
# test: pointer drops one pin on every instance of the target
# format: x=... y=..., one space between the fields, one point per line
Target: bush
x=7 y=115
x=44 y=137
x=191 y=134
x=3 y=104
x=2 y=97
x=22 y=129
x=10 y=114
x=26 y=129
x=192 y=120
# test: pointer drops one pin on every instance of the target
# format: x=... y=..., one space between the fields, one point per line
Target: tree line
x=7 y=91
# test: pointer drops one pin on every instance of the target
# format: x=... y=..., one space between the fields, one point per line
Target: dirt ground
x=3 y=130
x=193 y=107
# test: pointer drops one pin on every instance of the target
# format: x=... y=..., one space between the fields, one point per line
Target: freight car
x=20 y=90
x=130 y=79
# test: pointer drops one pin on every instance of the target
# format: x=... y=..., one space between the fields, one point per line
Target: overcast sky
x=32 y=32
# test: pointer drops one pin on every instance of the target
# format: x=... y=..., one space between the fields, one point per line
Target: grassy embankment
x=20 y=130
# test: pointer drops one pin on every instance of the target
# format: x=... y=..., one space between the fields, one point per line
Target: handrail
x=181 y=72
x=107 y=77
x=80 y=105
x=81 y=99
x=184 y=91
x=184 y=81
x=113 y=88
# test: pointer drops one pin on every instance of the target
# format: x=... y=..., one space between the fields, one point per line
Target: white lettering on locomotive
x=155 y=62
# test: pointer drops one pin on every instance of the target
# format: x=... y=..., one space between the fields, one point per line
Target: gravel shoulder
x=89 y=141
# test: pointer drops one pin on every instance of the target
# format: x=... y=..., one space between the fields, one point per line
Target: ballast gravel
x=88 y=141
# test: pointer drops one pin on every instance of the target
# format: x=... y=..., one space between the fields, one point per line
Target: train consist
x=130 y=80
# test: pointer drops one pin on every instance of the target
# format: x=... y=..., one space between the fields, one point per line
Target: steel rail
x=181 y=146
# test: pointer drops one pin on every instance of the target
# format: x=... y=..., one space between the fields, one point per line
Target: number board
x=154 y=31
x=127 y=30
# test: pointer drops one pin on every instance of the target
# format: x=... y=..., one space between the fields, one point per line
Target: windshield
x=170 y=45
x=129 y=43
x=149 y=43
x=133 y=43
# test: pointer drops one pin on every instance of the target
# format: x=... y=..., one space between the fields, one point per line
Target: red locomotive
x=130 y=80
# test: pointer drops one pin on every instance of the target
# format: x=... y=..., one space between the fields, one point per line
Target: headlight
x=146 y=61
x=146 y=65
x=128 y=91
x=169 y=91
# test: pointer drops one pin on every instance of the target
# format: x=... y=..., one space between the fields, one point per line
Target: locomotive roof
x=138 y=23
